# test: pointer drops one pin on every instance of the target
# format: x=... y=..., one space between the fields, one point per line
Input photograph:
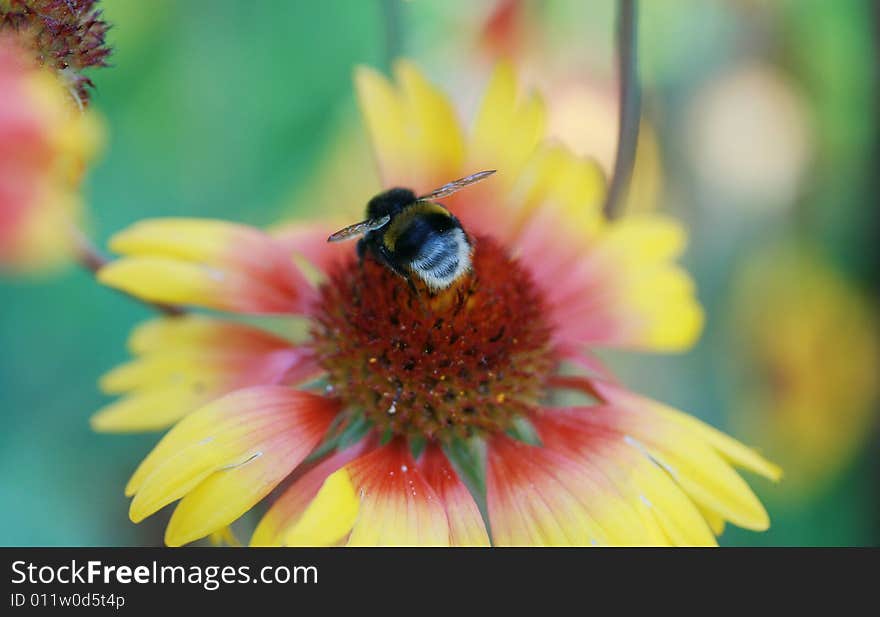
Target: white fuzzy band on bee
x=441 y=264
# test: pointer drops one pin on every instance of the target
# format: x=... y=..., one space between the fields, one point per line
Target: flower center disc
x=467 y=360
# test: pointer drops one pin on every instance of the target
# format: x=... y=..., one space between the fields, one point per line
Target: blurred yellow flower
x=808 y=363
x=45 y=144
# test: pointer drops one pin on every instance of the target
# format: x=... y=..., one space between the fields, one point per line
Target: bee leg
x=415 y=292
x=387 y=258
x=412 y=286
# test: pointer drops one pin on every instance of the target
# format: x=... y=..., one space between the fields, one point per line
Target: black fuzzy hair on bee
x=390 y=203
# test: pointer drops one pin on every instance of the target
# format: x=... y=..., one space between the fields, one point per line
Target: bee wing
x=456 y=185
x=358 y=229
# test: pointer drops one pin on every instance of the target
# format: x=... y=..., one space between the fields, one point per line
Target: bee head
x=389 y=203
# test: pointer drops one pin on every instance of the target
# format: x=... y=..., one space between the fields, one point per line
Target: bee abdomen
x=443 y=259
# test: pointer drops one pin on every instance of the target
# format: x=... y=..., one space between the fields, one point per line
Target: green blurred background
x=228 y=109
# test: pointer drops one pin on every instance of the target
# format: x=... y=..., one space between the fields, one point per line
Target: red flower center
x=467 y=360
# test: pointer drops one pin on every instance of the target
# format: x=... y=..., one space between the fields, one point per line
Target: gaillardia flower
x=418 y=418
x=45 y=144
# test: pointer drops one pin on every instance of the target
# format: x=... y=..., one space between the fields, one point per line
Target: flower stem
x=393 y=33
x=629 y=106
x=91 y=259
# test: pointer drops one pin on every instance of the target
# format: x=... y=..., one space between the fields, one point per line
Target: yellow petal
x=224 y=537
x=508 y=128
x=222 y=459
x=666 y=316
x=683 y=449
x=288 y=508
x=674 y=511
x=397 y=507
x=181 y=473
x=654 y=298
x=227 y=426
x=151 y=410
x=230 y=492
x=164 y=333
x=645 y=238
x=189 y=368
x=715 y=521
x=384 y=116
x=434 y=127
x=181 y=238
x=329 y=517
x=563 y=188
x=163 y=279
x=729 y=448
x=210 y=263
x=415 y=134
x=705 y=476
x=186 y=361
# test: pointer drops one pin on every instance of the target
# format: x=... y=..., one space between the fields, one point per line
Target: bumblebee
x=415 y=237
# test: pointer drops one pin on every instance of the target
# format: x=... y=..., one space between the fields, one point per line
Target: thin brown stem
x=90 y=258
x=86 y=253
x=629 y=105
